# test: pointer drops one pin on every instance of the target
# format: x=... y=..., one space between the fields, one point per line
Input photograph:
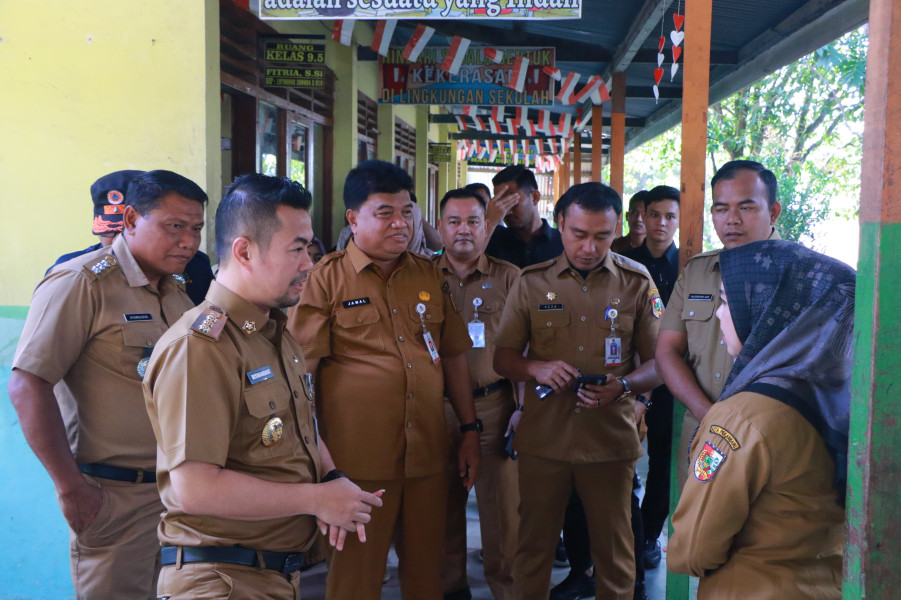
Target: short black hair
x=729 y=171
x=374 y=177
x=478 y=187
x=464 y=192
x=638 y=198
x=250 y=209
x=523 y=177
x=660 y=193
x=591 y=196
x=146 y=190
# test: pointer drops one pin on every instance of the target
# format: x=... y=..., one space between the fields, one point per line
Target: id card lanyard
x=613 y=347
x=476 y=327
x=426 y=336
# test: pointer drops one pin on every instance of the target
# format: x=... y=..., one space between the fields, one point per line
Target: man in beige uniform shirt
x=587 y=312
x=77 y=374
x=479 y=286
x=242 y=473
x=380 y=332
x=691 y=356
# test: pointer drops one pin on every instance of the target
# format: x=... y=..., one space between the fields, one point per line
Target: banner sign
x=439 y=153
x=420 y=9
x=480 y=81
x=297 y=65
x=293 y=53
x=291 y=77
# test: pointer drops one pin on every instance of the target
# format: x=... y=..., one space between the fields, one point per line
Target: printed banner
x=420 y=9
x=479 y=81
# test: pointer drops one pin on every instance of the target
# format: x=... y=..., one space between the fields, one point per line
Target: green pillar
x=422 y=156
x=385 y=150
x=344 y=153
x=874 y=455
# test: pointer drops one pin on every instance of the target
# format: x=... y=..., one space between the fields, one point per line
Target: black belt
x=490 y=388
x=117 y=473
x=283 y=562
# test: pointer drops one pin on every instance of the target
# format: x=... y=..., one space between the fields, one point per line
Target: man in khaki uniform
x=380 y=331
x=241 y=472
x=479 y=286
x=691 y=355
x=76 y=382
x=635 y=218
x=586 y=312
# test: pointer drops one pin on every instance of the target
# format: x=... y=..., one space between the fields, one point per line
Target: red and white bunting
x=454 y=57
x=384 y=31
x=529 y=128
x=418 y=41
x=343 y=31
x=564 y=145
x=473 y=149
x=461 y=145
x=511 y=127
x=492 y=156
x=512 y=145
x=483 y=152
x=494 y=55
x=568 y=87
x=544 y=125
x=557 y=160
x=521 y=116
x=593 y=83
x=525 y=146
x=470 y=110
x=518 y=77
x=565 y=125
x=552 y=72
x=603 y=93
x=553 y=145
x=494 y=126
x=537 y=146
x=499 y=145
x=461 y=123
x=480 y=124
x=497 y=113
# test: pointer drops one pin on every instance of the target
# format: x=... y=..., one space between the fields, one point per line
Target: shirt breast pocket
x=358 y=331
x=138 y=340
x=697 y=316
x=433 y=317
x=266 y=402
x=550 y=339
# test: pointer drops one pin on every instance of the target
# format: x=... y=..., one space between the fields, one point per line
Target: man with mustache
x=381 y=333
x=479 y=286
x=635 y=219
x=76 y=382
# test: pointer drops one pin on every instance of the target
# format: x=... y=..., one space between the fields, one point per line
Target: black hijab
x=793 y=310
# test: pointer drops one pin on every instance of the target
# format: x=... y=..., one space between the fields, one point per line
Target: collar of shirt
x=132 y=271
x=715 y=264
x=482 y=265
x=562 y=266
x=241 y=311
x=360 y=260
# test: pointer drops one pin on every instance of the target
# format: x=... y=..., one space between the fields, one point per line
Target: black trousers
x=655 y=505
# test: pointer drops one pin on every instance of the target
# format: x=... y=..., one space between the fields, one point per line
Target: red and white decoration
x=418 y=41
x=676 y=36
x=384 y=31
x=494 y=55
x=568 y=87
x=343 y=31
x=518 y=77
x=455 y=54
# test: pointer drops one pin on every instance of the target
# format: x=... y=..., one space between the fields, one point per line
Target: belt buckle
x=293 y=562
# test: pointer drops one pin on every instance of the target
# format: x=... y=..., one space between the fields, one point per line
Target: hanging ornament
x=677 y=36
x=678 y=19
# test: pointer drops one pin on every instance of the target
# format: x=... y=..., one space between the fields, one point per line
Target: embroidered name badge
x=709 y=460
x=550 y=307
x=705 y=297
x=726 y=435
x=487 y=285
x=131 y=317
x=258 y=375
x=357 y=302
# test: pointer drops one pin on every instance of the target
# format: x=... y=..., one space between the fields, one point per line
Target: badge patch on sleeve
x=656 y=303
x=709 y=460
x=726 y=435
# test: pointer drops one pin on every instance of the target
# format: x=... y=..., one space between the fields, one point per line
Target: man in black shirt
x=661 y=257
x=527 y=239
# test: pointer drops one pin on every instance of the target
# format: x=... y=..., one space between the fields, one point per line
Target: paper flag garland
x=568 y=87
x=384 y=31
x=494 y=55
x=343 y=31
x=518 y=77
x=454 y=57
x=418 y=41
x=552 y=72
x=461 y=123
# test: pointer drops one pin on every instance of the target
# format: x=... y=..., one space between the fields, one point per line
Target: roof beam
x=642 y=26
x=451 y=120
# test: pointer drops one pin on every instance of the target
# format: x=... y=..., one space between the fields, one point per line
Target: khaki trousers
x=604 y=488
x=417 y=507
x=214 y=581
x=117 y=555
x=497 y=495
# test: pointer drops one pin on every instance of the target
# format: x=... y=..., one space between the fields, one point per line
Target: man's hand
x=337 y=534
x=469 y=457
x=640 y=409
x=555 y=373
x=499 y=206
x=596 y=396
x=81 y=505
x=513 y=423
x=343 y=505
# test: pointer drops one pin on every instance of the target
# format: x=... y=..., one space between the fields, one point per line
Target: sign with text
x=439 y=153
x=293 y=77
x=480 y=80
x=420 y=9
x=293 y=53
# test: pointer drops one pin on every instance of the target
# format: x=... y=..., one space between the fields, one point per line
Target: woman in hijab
x=762 y=513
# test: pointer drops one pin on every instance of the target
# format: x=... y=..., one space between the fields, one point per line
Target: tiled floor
x=313 y=581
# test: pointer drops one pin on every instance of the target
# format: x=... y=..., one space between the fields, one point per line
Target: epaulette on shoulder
x=629 y=264
x=180 y=280
x=329 y=258
x=707 y=254
x=540 y=266
x=503 y=263
x=210 y=322
x=101 y=267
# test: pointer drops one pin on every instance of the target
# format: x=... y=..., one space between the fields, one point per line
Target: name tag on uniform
x=550 y=307
x=357 y=302
x=613 y=352
x=261 y=374
x=706 y=297
x=130 y=317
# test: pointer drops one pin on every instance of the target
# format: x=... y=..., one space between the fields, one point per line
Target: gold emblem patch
x=724 y=433
x=250 y=326
x=552 y=296
x=272 y=431
x=425 y=296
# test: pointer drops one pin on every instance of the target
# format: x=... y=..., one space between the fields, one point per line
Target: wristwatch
x=644 y=400
x=626 y=389
x=474 y=426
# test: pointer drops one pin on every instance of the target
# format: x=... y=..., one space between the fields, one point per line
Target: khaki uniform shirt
x=489 y=283
x=219 y=377
x=758 y=518
x=560 y=316
x=691 y=310
x=381 y=396
x=91 y=321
